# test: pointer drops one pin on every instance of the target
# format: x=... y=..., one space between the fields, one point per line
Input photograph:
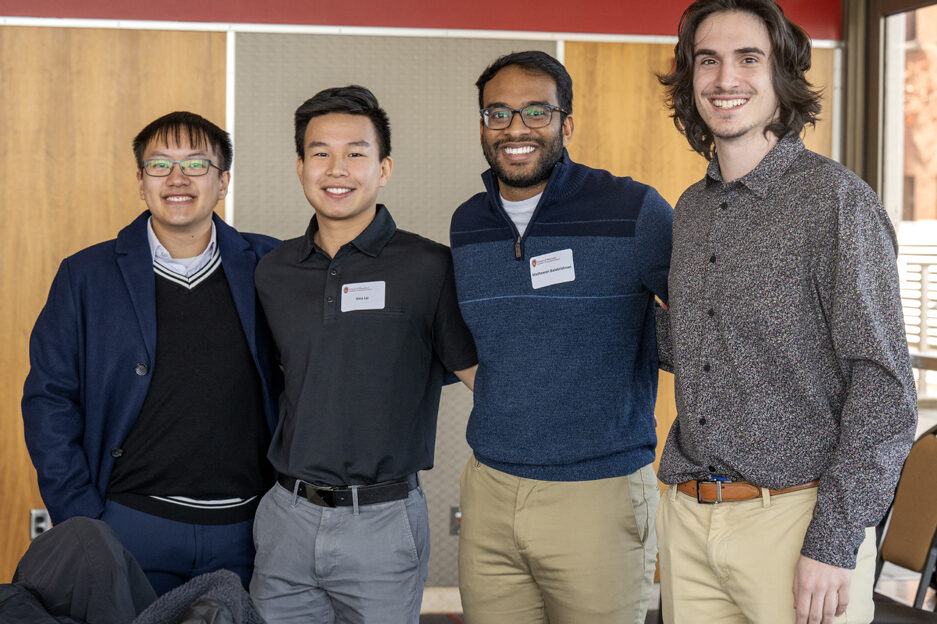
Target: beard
x=550 y=154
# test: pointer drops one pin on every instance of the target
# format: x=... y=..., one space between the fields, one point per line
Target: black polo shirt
x=364 y=338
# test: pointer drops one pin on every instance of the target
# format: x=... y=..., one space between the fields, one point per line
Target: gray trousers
x=323 y=565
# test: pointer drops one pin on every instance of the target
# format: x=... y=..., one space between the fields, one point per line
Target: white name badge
x=552 y=268
x=363 y=296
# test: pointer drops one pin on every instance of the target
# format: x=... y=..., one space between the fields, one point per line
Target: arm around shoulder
x=262 y=243
x=664 y=339
x=653 y=233
x=467 y=376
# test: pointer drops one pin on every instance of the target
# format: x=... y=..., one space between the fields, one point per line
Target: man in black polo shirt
x=367 y=322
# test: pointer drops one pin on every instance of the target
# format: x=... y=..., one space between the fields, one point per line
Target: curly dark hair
x=798 y=101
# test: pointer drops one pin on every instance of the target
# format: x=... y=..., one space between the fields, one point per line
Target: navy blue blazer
x=92 y=350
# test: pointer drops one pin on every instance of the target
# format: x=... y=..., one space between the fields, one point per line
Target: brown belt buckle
x=718 y=491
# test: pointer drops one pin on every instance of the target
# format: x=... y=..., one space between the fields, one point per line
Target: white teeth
x=728 y=103
x=178 y=198
x=335 y=190
x=520 y=150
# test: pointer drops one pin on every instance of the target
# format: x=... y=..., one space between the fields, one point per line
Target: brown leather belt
x=711 y=492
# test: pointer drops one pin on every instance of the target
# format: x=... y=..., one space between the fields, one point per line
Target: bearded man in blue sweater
x=556 y=268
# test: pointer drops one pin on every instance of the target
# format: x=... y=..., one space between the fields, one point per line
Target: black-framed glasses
x=533 y=115
x=162 y=167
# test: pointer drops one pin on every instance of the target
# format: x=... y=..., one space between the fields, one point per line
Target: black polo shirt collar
x=371 y=241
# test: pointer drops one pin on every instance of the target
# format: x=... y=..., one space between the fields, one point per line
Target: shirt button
x=702 y=421
x=712 y=258
x=710 y=312
x=141 y=369
x=333 y=272
x=723 y=205
x=706 y=367
x=116 y=452
x=330 y=299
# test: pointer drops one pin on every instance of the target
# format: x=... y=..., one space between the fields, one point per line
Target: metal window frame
x=864 y=30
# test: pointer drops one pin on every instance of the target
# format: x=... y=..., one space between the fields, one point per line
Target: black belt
x=327 y=496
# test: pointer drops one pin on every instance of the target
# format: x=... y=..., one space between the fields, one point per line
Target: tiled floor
x=902 y=585
x=441 y=600
x=441 y=605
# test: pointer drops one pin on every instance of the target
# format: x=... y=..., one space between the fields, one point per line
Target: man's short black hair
x=350 y=100
x=532 y=61
x=175 y=128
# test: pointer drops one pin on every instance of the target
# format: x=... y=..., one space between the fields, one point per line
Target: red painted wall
x=821 y=18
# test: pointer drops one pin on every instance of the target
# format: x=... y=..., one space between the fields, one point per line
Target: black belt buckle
x=718 y=491
x=322 y=496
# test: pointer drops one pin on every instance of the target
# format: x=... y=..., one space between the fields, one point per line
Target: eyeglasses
x=162 y=167
x=533 y=116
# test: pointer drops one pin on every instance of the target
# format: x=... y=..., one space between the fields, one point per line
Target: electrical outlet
x=39 y=522
x=455 y=520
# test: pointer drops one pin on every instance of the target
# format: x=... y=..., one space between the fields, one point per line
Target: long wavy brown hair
x=798 y=101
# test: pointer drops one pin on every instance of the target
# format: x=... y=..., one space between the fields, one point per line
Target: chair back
x=913 y=523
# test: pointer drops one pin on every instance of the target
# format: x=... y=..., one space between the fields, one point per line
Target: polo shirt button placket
x=332 y=286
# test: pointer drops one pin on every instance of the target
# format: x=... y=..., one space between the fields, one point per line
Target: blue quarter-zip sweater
x=567 y=373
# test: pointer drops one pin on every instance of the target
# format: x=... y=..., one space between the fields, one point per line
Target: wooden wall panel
x=621 y=124
x=821 y=75
x=71 y=101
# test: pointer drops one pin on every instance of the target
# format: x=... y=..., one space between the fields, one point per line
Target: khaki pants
x=734 y=562
x=577 y=552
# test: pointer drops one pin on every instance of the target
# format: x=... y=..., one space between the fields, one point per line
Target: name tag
x=552 y=268
x=363 y=296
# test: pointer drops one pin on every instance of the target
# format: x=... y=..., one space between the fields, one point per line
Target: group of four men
x=151 y=399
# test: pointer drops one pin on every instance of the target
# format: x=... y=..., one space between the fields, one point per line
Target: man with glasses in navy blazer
x=150 y=400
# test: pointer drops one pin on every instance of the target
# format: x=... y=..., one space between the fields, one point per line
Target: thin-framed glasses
x=533 y=115
x=162 y=167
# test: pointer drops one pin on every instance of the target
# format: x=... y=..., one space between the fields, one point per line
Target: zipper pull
x=517 y=248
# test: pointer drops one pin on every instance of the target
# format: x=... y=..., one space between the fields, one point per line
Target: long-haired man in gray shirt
x=796 y=405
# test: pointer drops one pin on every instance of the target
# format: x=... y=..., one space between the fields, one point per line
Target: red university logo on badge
x=346 y=290
x=533 y=262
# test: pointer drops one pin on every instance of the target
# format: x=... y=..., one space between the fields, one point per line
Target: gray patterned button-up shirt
x=788 y=341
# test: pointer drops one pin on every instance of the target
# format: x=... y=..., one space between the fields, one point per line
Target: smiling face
x=342 y=170
x=523 y=158
x=732 y=79
x=180 y=204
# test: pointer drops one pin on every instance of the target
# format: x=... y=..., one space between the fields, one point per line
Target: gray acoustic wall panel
x=426 y=85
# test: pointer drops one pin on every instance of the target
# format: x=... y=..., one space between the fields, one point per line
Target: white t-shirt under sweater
x=521 y=212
